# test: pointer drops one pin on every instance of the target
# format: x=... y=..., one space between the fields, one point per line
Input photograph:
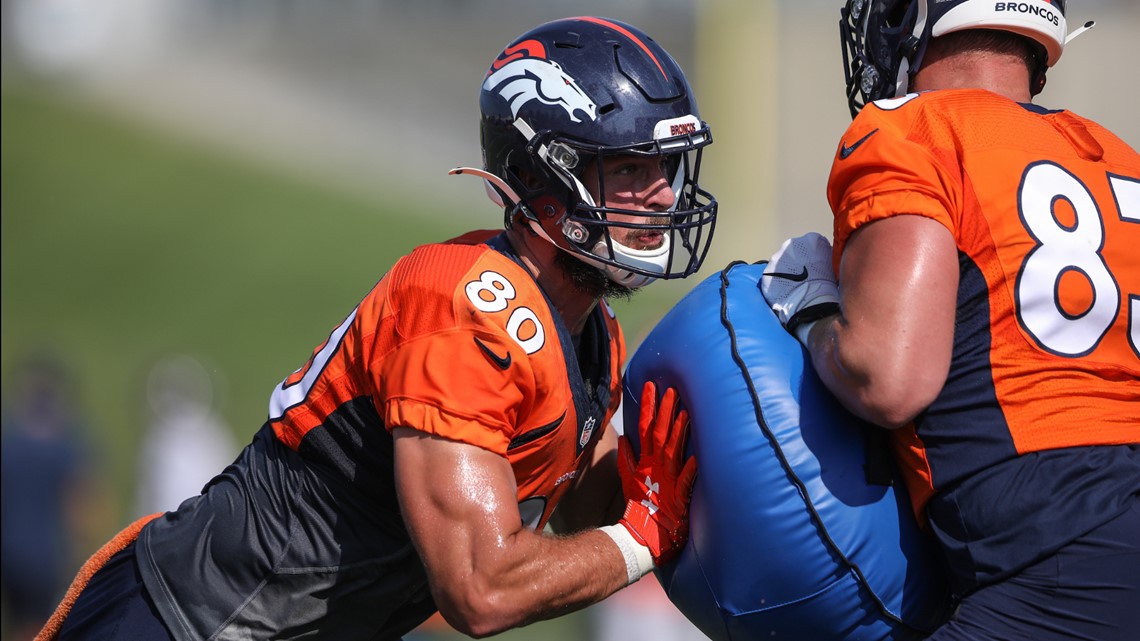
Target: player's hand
x=799 y=284
x=657 y=485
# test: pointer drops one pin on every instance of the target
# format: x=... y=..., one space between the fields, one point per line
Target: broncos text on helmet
x=884 y=40
x=578 y=90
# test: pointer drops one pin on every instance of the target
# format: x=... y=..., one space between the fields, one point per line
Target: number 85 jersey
x=1045 y=209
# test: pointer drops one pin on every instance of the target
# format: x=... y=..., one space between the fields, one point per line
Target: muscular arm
x=887 y=355
x=487 y=572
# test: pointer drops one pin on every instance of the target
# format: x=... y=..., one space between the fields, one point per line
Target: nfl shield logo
x=587 y=431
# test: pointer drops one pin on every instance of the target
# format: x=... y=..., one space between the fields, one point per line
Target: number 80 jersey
x=304 y=531
x=457 y=340
x=1045 y=209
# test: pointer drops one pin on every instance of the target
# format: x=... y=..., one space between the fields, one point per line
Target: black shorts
x=115 y=606
x=1088 y=590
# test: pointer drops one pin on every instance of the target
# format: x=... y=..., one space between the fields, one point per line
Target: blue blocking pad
x=788 y=537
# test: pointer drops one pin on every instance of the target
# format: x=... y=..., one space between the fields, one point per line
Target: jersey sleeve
x=452 y=369
x=444 y=384
x=894 y=171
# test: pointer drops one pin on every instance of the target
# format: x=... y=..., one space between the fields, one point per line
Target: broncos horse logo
x=520 y=77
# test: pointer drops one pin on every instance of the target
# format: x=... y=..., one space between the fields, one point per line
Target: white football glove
x=799 y=284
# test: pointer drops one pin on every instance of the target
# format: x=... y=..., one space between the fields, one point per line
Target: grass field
x=122 y=244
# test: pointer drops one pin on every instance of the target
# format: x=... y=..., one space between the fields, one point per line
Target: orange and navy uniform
x=1045 y=209
x=456 y=340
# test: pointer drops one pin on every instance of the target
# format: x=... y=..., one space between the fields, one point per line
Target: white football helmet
x=884 y=40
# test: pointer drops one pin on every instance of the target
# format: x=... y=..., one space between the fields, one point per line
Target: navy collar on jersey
x=590 y=405
x=1038 y=109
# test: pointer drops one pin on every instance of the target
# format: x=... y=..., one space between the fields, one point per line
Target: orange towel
x=90 y=567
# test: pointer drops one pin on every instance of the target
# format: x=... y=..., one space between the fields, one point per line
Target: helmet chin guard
x=645 y=261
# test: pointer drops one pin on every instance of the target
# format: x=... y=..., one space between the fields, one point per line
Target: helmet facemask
x=878 y=44
x=588 y=224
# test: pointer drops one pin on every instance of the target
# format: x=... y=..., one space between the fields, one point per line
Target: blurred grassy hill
x=122 y=244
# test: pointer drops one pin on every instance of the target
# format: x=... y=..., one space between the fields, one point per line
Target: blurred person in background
x=641 y=611
x=47 y=480
x=186 y=442
x=415 y=462
x=986 y=310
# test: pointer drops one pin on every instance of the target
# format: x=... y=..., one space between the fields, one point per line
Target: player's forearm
x=533 y=577
x=886 y=357
x=876 y=380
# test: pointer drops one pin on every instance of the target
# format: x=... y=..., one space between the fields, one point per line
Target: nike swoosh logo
x=502 y=361
x=797 y=277
x=845 y=151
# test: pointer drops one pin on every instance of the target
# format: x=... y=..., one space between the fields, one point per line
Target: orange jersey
x=457 y=340
x=1045 y=209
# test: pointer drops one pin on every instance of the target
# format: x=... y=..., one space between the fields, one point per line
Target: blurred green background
x=230 y=182
x=122 y=245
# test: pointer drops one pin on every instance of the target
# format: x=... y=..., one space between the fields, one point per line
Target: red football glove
x=657 y=486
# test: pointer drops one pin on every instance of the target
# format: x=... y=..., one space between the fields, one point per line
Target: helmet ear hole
x=530 y=181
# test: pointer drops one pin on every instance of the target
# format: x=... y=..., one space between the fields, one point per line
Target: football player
x=986 y=310
x=414 y=462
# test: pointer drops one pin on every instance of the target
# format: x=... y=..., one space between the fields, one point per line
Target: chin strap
x=497 y=188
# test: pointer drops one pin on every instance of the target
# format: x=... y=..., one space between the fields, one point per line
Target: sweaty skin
x=638 y=183
x=887 y=356
x=480 y=560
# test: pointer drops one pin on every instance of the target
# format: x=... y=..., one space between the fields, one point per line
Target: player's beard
x=589 y=279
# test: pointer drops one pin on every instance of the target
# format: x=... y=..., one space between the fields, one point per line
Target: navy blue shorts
x=115 y=606
x=1088 y=591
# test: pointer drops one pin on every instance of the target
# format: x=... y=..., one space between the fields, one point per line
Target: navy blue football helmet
x=884 y=40
x=578 y=90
